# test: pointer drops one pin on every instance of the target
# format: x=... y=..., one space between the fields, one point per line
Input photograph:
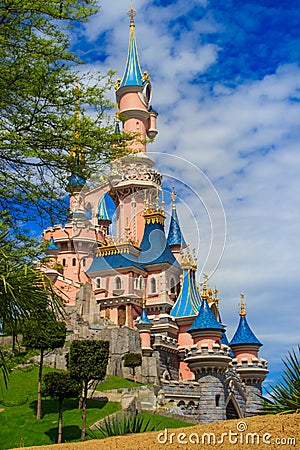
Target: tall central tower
x=134 y=173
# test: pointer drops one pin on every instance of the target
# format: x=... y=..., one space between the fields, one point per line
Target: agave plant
x=284 y=397
x=121 y=424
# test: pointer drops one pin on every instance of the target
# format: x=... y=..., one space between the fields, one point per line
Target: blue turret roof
x=154 y=246
x=188 y=301
x=175 y=236
x=133 y=74
x=144 y=318
x=75 y=181
x=205 y=319
x=102 y=210
x=244 y=335
x=52 y=246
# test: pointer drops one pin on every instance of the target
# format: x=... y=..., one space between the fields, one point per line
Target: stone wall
x=122 y=340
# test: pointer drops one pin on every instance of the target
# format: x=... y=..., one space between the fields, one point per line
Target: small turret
x=248 y=365
x=175 y=237
x=134 y=93
x=144 y=326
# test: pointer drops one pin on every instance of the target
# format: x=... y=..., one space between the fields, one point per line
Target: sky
x=226 y=85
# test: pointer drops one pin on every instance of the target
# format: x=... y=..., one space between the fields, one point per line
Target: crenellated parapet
x=207 y=359
x=251 y=371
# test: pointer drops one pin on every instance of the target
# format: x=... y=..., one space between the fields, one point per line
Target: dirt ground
x=264 y=432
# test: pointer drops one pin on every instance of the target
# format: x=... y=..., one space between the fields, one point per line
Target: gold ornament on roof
x=131 y=14
x=242 y=305
x=188 y=260
x=204 y=288
x=173 y=197
x=118 y=84
x=145 y=77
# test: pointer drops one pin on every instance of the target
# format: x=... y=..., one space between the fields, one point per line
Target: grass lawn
x=113 y=382
x=19 y=426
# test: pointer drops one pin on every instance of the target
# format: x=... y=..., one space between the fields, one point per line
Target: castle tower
x=175 y=238
x=134 y=174
x=185 y=310
x=144 y=326
x=248 y=365
x=209 y=360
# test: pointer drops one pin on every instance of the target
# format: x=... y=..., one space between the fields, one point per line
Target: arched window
x=88 y=211
x=73 y=261
x=64 y=262
x=153 y=286
x=172 y=286
x=98 y=283
x=218 y=400
x=138 y=282
x=83 y=262
x=118 y=283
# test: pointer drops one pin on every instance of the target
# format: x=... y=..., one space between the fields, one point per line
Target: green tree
x=44 y=332
x=284 y=397
x=43 y=115
x=60 y=385
x=88 y=362
x=133 y=360
x=23 y=290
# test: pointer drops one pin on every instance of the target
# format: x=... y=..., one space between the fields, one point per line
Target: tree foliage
x=43 y=116
x=132 y=360
x=43 y=331
x=284 y=397
x=87 y=362
x=60 y=385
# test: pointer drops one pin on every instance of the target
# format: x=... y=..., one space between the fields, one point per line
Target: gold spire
x=173 y=197
x=216 y=298
x=76 y=152
x=204 y=289
x=131 y=13
x=242 y=305
x=144 y=294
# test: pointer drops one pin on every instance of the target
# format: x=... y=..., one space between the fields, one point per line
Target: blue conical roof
x=102 y=210
x=188 y=301
x=52 y=246
x=175 y=236
x=144 y=318
x=154 y=246
x=75 y=181
x=133 y=74
x=244 y=335
x=205 y=319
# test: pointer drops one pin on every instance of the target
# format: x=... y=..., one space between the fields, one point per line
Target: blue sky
x=226 y=84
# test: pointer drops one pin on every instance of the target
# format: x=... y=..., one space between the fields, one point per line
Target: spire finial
x=131 y=13
x=242 y=305
x=204 y=289
x=173 y=197
x=144 y=294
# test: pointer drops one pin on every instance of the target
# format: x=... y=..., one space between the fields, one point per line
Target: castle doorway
x=121 y=315
x=231 y=411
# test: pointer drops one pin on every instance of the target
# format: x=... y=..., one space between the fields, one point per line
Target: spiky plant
x=284 y=397
x=120 y=424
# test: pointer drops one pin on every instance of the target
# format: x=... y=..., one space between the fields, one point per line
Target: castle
x=144 y=279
